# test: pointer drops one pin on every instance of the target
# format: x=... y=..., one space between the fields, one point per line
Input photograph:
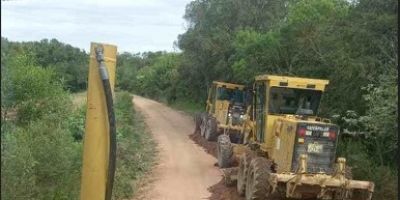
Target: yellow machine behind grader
x=225 y=101
x=286 y=150
x=227 y=108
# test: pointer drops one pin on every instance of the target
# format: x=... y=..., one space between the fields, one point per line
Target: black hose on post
x=111 y=120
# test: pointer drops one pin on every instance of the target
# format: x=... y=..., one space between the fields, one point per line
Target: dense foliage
x=69 y=63
x=352 y=43
x=40 y=159
x=42 y=132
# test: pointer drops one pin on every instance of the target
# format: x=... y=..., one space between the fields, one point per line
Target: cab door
x=259 y=110
x=210 y=107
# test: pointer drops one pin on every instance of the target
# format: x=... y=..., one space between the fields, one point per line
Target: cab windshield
x=294 y=101
x=227 y=94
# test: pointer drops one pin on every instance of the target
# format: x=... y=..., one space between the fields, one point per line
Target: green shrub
x=33 y=91
x=76 y=123
x=366 y=168
x=18 y=178
x=40 y=161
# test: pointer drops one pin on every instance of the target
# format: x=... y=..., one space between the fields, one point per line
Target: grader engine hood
x=318 y=142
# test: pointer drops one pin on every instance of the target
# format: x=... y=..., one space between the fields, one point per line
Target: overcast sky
x=132 y=25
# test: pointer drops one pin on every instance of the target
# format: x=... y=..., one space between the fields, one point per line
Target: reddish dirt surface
x=209 y=147
x=218 y=191
x=186 y=167
x=184 y=171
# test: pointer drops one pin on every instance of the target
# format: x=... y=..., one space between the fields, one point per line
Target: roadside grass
x=136 y=149
x=79 y=99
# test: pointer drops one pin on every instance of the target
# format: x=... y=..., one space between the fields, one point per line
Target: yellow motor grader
x=226 y=109
x=289 y=152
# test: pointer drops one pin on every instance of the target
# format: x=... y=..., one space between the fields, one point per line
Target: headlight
x=229 y=115
x=243 y=117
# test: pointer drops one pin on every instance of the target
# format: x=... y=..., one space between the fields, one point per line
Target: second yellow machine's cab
x=226 y=110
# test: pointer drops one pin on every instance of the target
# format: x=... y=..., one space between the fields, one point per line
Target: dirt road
x=185 y=170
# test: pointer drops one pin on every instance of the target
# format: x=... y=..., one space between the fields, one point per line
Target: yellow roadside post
x=96 y=140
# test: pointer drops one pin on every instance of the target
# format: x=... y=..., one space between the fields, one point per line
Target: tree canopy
x=351 y=43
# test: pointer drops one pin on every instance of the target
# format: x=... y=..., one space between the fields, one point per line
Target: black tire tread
x=224 y=151
x=211 y=130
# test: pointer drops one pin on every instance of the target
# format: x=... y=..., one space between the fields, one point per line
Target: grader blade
x=323 y=186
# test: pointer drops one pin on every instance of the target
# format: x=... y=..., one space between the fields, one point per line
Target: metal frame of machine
x=290 y=153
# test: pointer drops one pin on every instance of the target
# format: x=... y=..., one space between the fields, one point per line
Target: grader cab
x=289 y=151
x=226 y=109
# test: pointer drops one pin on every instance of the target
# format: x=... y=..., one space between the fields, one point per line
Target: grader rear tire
x=211 y=130
x=257 y=184
x=244 y=164
x=224 y=151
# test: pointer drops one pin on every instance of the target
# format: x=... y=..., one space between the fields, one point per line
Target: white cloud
x=132 y=25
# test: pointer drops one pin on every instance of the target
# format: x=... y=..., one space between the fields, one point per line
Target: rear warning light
x=310 y=86
x=301 y=132
x=283 y=84
x=332 y=135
